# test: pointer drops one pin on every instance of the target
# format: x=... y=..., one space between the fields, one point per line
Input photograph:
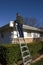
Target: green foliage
x=13 y=54
x=34 y=48
x=3 y=55
x=40 y=62
x=10 y=53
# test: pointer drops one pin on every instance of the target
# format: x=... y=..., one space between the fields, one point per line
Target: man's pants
x=20 y=30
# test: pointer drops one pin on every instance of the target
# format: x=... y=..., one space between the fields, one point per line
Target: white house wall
x=14 y=34
x=26 y=34
x=36 y=35
x=9 y=36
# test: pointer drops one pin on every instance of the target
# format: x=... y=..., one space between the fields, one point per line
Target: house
x=8 y=34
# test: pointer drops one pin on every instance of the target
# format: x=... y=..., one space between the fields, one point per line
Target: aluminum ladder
x=25 y=53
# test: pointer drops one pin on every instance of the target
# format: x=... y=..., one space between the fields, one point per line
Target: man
x=19 y=21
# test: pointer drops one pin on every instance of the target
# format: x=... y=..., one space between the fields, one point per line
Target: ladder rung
x=26 y=56
x=23 y=46
x=25 y=51
x=27 y=62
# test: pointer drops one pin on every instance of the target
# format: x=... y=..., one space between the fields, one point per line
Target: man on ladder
x=19 y=28
x=19 y=21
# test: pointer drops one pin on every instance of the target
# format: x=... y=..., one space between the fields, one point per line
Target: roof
x=10 y=26
x=32 y=28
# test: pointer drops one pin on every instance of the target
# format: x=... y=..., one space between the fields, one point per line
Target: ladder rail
x=20 y=45
x=19 y=42
x=26 y=44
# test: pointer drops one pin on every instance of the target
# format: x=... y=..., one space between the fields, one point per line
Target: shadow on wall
x=3 y=55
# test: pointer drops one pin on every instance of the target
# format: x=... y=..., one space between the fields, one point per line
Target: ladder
x=24 y=50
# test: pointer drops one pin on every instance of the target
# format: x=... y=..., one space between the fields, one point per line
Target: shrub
x=3 y=55
x=40 y=62
x=34 y=48
x=41 y=51
x=10 y=53
x=13 y=54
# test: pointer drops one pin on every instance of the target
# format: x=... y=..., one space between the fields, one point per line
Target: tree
x=31 y=22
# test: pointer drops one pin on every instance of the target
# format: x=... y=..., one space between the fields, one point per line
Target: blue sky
x=27 y=8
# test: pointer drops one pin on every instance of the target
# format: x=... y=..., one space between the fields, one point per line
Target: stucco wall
x=25 y=40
